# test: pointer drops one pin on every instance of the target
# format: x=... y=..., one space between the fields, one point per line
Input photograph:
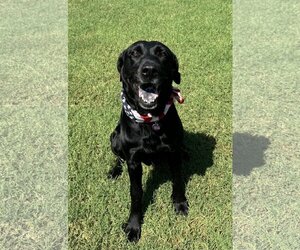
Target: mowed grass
x=199 y=32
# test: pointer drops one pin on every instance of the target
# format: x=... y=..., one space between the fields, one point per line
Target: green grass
x=199 y=32
x=33 y=125
x=266 y=107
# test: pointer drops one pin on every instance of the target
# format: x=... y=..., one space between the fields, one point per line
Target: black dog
x=149 y=130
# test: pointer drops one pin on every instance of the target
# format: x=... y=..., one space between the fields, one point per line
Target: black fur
x=150 y=63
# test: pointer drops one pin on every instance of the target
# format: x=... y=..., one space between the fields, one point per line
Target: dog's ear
x=120 y=63
x=176 y=75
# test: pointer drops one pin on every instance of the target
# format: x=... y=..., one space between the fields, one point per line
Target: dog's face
x=147 y=70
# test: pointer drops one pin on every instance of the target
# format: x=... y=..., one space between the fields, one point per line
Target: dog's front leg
x=133 y=226
x=178 y=193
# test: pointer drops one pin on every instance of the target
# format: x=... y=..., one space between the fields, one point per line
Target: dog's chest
x=149 y=141
x=153 y=148
x=153 y=143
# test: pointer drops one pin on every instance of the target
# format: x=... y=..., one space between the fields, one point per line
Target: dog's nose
x=149 y=70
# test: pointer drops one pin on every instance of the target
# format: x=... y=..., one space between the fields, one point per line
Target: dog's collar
x=148 y=118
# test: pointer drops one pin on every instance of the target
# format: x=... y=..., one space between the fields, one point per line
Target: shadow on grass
x=200 y=149
x=248 y=152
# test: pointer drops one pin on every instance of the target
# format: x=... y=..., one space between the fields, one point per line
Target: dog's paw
x=133 y=231
x=115 y=172
x=181 y=207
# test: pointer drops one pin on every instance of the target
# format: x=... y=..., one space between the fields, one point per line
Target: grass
x=266 y=115
x=199 y=32
x=33 y=125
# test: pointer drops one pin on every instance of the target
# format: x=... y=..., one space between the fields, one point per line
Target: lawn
x=199 y=32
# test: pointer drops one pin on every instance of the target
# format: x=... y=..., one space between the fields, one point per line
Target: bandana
x=148 y=118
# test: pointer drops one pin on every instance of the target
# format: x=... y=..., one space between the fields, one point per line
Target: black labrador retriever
x=149 y=130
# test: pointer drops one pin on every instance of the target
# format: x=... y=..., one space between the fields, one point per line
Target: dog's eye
x=160 y=53
x=135 y=53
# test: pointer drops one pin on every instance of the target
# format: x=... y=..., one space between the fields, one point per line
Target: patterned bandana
x=148 y=118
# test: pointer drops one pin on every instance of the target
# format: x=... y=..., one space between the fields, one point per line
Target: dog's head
x=147 y=70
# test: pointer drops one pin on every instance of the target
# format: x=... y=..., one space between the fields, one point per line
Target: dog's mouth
x=148 y=95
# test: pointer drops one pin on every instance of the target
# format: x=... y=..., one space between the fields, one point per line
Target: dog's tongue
x=148 y=95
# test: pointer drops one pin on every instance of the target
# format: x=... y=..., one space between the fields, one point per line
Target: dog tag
x=155 y=126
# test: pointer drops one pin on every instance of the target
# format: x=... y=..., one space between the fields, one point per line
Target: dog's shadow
x=200 y=149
